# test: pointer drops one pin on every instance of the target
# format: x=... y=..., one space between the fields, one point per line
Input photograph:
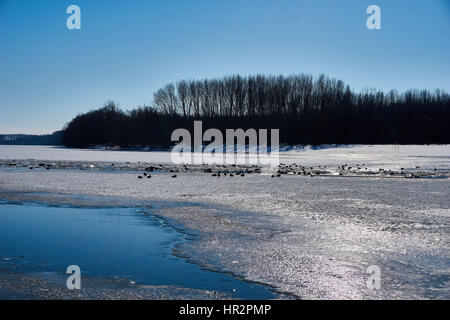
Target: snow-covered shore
x=388 y=156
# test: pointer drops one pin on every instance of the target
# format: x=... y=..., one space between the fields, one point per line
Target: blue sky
x=126 y=50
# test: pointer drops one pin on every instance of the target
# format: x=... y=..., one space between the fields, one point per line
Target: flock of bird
x=345 y=170
x=296 y=169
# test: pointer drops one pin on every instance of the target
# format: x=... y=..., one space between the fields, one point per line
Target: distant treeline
x=307 y=110
x=26 y=139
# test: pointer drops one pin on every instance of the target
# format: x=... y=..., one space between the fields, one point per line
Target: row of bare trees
x=307 y=110
x=270 y=95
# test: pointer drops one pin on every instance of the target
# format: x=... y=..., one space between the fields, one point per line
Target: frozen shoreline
x=312 y=237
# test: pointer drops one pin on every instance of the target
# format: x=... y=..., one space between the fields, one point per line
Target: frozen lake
x=387 y=156
x=313 y=237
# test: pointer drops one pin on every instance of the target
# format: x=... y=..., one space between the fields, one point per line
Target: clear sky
x=126 y=50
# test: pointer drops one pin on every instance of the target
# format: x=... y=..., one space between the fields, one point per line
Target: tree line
x=307 y=110
x=28 y=139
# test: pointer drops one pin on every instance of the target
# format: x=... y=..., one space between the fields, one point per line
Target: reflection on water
x=111 y=242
